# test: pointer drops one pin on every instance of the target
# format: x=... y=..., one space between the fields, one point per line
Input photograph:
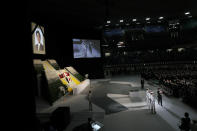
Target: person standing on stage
x=185 y=122
x=153 y=111
x=149 y=99
x=142 y=83
x=159 y=97
x=89 y=100
x=147 y=95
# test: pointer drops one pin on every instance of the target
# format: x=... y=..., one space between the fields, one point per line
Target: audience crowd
x=175 y=80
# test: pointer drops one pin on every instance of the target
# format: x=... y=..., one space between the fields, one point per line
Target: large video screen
x=84 y=48
x=38 y=39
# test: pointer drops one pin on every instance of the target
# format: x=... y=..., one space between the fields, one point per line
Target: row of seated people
x=179 y=83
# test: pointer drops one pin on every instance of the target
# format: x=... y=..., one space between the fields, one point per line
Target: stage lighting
x=105 y=45
x=108 y=22
x=147 y=18
x=134 y=20
x=138 y=23
x=161 y=17
x=187 y=13
x=120 y=43
x=180 y=49
x=169 y=50
x=121 y=21
x=120 y=46
x=107 y=54
x=189 y=16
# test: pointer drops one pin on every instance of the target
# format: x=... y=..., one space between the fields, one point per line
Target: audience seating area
x=179 y=80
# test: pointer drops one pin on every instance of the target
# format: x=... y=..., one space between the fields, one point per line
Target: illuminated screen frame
x=96 y=48
x=38 y=35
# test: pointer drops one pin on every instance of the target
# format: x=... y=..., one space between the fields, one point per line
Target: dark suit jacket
x=41 y=47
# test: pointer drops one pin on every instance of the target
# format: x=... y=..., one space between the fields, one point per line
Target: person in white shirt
x=149 y=99
x=147 y=96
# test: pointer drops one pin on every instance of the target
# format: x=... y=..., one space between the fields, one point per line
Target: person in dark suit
x=89 y=100
x=142 y=83
x=185 y=123
x=39 y=46
x=159 y=97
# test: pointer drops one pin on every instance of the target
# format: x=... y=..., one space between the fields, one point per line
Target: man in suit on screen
x=39 y=45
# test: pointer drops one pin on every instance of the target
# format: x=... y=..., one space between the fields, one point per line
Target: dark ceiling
x=94 y=12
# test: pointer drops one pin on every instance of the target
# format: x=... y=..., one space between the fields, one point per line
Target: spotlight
x=147 y=18
x=105 y=45
x=187 y=13
x=121 y=21
x=108 y=22
x=134 y=20
x=161 y=17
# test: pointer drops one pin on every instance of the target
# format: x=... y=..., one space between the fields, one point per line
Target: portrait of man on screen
x=39 y=42
x=38 y=39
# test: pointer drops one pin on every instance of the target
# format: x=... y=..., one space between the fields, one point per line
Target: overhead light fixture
x=134 y=20
x=180 y=49
x=127 y=24
x=105 y=45
x=161 y=17
x=187 y=13
x=107 y=54
x=121 y=21
x=169 y=50
x=190 y=16
x=106 y=25
x=138 y=23
x=148 y=22
x=147 y=18
x=120 y=46
x=120 y=43
x=159 y=21
x=117 y=24
x=108 y=22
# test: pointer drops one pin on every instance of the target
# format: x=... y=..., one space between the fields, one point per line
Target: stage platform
x=79 y=109
x=118 y=109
